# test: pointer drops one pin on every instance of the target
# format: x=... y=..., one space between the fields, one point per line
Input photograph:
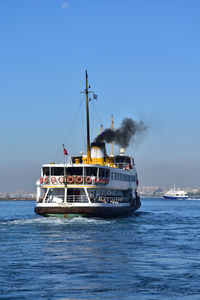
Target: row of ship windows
x=123 y=177
x=100 y=193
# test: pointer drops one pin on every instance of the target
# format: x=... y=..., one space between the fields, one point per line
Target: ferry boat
x=175 y=194
x=91 y=185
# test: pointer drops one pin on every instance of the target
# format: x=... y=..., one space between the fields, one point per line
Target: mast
x=88 y=122
x=112 y=142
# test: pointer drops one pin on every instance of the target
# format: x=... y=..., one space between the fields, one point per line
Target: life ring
x=41 y=180
x=61 y=179
x=53 y=180
x=95 y=180
x=70 y=179
x=46 y=180
x=100 y=180
x=79 y=179
x=88 y=180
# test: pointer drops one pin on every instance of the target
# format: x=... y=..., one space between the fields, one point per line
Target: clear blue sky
x=143 y=60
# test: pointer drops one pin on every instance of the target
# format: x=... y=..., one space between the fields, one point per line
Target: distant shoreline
x=17 y=199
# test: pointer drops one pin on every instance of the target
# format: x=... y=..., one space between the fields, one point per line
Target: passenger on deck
x=92 y=178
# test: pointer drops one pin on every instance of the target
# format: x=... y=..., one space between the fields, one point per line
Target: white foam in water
x=195 y=199
x=58 y=221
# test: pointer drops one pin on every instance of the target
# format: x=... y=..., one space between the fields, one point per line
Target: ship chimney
x=122 y=151
x=98 y=152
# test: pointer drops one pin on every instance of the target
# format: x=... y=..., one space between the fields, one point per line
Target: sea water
x=153 y=254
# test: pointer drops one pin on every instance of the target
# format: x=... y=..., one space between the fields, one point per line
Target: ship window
x=76 y=192
x=46 y=171
x=56 y=192
x=57 y=171
x=89 y=171
x=74 y=171
x=107 y=173
x=101 y=172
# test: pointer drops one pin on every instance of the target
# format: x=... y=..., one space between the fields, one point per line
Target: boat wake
x=195 y=199
x=57 y=221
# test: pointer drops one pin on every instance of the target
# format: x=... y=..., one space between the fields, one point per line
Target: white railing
x=69 y=199
x=109 y=199
x=77 y=198
x=84 y=199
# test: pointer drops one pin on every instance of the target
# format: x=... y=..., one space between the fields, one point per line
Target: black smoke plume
x=122 y=136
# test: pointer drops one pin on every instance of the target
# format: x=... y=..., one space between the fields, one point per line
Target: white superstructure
x=176 y=194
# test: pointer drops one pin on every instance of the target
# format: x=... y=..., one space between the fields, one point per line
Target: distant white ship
x=174 y=194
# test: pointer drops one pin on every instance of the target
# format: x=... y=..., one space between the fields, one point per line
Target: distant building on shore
x=156 y=191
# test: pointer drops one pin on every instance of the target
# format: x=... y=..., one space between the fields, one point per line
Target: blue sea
x=153 y=254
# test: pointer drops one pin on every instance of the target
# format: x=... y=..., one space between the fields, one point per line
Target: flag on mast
x=64 y=150
x=95 y=96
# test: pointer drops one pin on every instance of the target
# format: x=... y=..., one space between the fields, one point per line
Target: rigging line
x=99 y=117
x=92 y=119
x=70 y=130
x=72 y=124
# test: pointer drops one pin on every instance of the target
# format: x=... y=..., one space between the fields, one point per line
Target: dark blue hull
x=175 y=198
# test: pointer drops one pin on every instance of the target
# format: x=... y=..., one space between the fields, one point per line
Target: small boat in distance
x=175 y=194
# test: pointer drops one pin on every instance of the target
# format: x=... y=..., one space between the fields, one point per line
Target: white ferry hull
x=103 y=211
